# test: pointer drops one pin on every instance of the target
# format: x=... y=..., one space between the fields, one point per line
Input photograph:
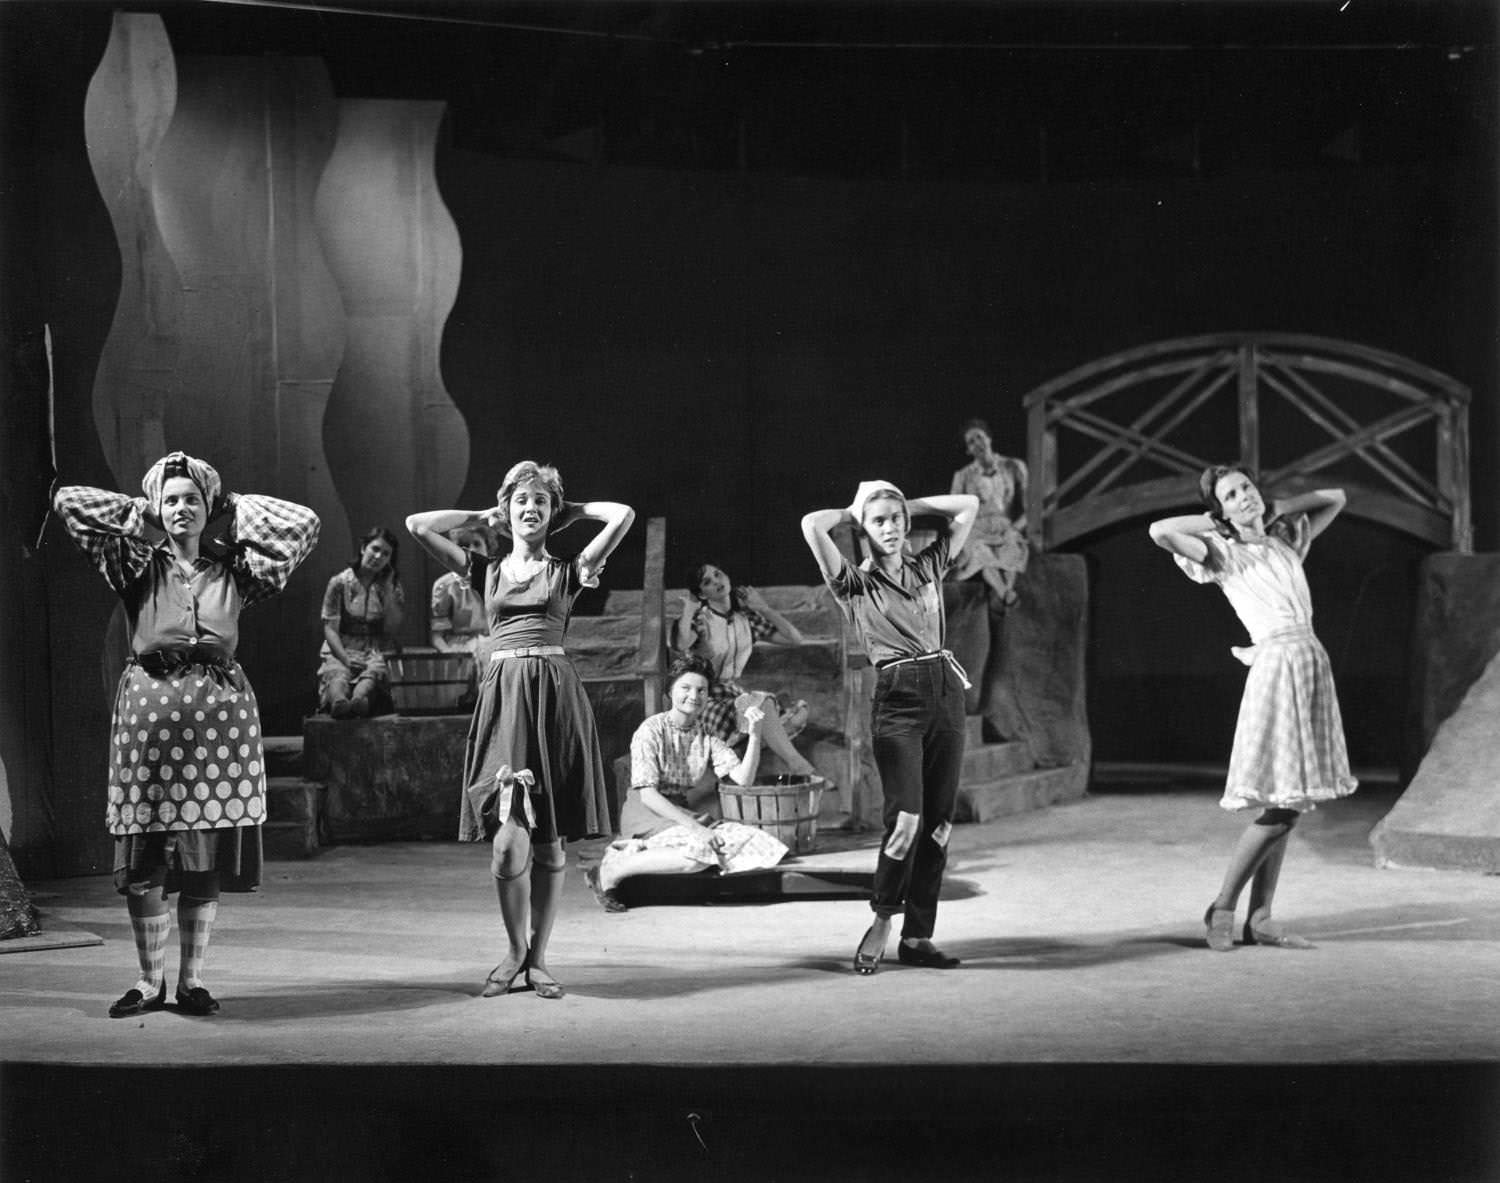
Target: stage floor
x=1086 y=990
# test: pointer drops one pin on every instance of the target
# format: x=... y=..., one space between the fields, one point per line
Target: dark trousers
x=918 y=729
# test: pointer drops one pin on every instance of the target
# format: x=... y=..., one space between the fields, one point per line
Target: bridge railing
x=1127 y=435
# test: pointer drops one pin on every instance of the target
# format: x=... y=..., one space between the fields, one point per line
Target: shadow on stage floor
x=645 y=1123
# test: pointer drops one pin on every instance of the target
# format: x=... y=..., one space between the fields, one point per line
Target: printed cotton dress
x=1289 y=750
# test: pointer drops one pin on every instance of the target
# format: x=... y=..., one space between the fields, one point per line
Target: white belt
x=943 y=654
x=530 y=651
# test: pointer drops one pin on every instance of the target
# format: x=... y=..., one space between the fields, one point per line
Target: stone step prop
x=392 y=778
x=1449 y=817
x=986 y=762
x=283 y=755
x=1021 y=792
x=294 y=809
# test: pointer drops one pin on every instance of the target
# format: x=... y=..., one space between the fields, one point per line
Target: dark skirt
x=534 y=714
x=236 y=854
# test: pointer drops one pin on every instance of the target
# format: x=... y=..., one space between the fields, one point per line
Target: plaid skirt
x=1289 y=750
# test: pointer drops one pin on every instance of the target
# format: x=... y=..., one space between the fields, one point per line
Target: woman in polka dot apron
x=533 y=771
x=1289 y=752
x=187 y=782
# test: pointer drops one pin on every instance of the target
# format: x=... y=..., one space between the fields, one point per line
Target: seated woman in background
x=997 y=550
x=664 y=830
x=457 y=622
x=721 y=623
x=362 y=605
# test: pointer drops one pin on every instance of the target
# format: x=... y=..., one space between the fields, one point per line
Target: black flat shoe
x=930 y=957
x=195 y=1001
x=133 y=1002
x=867 y=963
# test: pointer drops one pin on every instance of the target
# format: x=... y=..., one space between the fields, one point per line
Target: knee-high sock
x=195 y=921
x=151 y=924
x=514 y=893
x=546 y=892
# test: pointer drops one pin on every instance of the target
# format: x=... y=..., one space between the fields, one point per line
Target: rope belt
x=938 y=655
x=529 y=651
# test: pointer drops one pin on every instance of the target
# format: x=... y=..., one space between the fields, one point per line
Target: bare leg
x=872 y=945
x=1260 y=837
x=1260 y=929
x=774 y=738
x=621 y=864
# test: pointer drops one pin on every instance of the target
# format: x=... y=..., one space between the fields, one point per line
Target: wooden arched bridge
x=1126 y=436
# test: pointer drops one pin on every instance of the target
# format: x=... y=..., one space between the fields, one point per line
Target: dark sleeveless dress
x=533 y=714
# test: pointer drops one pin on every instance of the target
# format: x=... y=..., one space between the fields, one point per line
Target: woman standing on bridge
x=895 y=602
x=532 y=766
x=187 y=781
x=1289 y=752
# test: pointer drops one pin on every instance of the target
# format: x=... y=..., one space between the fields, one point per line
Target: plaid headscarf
x=198 y=471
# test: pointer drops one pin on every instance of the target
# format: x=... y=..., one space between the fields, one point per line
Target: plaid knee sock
x=196 y=921
x=151 y=949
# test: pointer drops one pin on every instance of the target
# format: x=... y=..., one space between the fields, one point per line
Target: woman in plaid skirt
x=1289 y=751
x=187 y=779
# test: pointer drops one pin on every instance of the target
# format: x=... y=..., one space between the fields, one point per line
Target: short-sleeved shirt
x=1262 y=580
x=357 y=610
x=455 y=606
x=727 y=641
x=901 y=615
x=166 y=605
x=673 y=759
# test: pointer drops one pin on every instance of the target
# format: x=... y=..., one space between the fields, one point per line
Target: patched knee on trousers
x=904 y=834
x=942 y=834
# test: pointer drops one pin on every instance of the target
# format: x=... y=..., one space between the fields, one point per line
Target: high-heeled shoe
x=495 y=986
x=1262 y=930
x=1220 y=925
x=867 y=963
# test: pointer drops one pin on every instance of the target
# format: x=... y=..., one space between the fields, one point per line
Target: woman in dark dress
x=533 y=771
